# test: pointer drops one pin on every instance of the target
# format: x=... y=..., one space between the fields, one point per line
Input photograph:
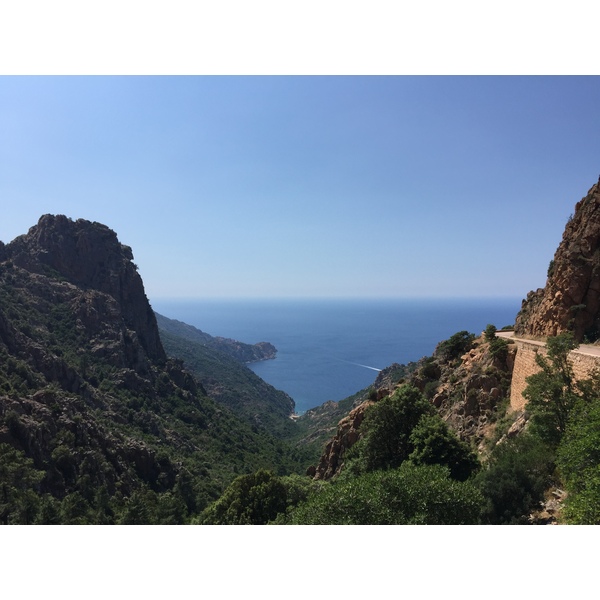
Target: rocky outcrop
x=570 y=301
x=470 y=395
x=62 y=437
x=469 y=392
x=348 y=433
x=90 y=257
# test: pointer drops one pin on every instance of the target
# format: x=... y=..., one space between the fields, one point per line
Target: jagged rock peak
x=82 y=252
x=89 y=255
x=570 y=301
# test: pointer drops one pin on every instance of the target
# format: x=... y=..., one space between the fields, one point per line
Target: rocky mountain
x=88 y=256
x=97 y=424
x=570 y=301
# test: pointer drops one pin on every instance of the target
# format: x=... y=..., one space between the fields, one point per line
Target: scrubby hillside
x=244 y=353
x=467 y=380
x=96 y=423
x=228 y=381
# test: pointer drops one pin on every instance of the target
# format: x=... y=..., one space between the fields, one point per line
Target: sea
x=331 y=349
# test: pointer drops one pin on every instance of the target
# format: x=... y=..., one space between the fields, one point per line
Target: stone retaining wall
x=525 y=365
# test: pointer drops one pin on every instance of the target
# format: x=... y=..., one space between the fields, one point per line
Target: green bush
x=552 y=393
x=455 y=346
x=253 y=499
x=434 y=443
x=578 y=459
x=409 y=495
x=388 y=426
x=499 y=349
x=405 y=426
x=514 y=480
x=490 y=333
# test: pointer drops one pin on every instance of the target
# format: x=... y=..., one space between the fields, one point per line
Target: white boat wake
x=359 y=365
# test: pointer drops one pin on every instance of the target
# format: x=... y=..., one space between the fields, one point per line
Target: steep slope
x=570 y=301
x=89 y=256
x=467 y=379
x=96 y=423
x=244 y=353
x=316 y=428
x=229 y=382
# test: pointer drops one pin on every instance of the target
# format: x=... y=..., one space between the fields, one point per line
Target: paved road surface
x=583 y=348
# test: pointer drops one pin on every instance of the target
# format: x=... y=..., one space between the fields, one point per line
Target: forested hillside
x=227 y=380
x=97 y=425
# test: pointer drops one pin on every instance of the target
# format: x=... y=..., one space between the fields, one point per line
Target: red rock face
x=347 y=435
x=570 y=301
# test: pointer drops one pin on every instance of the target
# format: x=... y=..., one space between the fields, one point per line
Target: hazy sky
x=308 y=186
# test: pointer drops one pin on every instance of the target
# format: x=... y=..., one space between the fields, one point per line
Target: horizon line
x=330 y=298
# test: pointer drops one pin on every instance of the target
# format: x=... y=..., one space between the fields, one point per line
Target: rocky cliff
x=97 y=425
x=570 y=301
x=89 y=257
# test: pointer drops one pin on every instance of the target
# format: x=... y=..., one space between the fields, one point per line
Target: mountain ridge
x=244 y=353
x=97 y=424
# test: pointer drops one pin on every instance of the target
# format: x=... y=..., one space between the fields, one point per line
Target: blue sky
x=308 y=186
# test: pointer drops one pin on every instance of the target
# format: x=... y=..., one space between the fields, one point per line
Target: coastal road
x=586 y=349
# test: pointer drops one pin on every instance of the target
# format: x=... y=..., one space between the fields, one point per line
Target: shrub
x=409 y=495
x=455 y=346
x=578 y=459
x=434 y=443
x=253 y=499
x=490 y=333
x=388 y=426
x=552 y=392
x=514 y=480
x=499 y=349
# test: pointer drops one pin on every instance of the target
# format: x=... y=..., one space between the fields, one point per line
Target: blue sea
x=330 y=349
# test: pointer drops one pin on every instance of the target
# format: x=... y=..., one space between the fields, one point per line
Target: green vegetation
x=19 y=488
x=561 y=447
x=387 y=429
x=407 y=469
x=405 y=426
x=96 y=432
x=434 y=444
x=514 y=480
x=454 y=347
x=490 y=333
x=257 y=499
x=408 y=495
x=578 y=457
x=552 y=393
x=96 y=428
